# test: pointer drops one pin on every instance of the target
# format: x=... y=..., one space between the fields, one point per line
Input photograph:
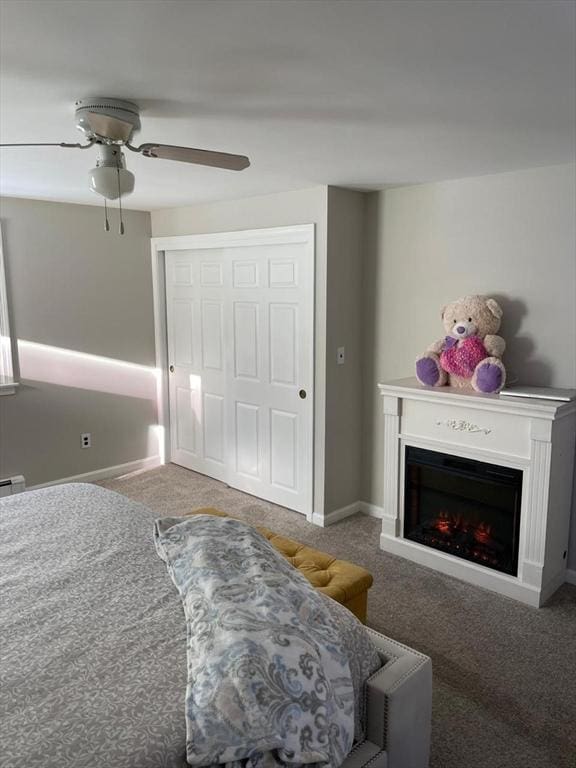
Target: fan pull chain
x=106 y=222
x=121 y=230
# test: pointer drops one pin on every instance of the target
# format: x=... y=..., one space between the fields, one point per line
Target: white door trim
x=272 y=235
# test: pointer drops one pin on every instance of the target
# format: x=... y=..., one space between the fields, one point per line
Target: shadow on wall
x=520 y=358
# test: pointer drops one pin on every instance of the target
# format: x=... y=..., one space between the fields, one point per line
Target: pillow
x=275 y=669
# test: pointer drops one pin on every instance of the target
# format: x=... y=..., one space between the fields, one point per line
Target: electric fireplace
x=479 y=487
x=464 y=507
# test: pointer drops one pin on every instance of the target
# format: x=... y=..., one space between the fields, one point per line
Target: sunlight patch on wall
x=156 y=437
x=70 y=368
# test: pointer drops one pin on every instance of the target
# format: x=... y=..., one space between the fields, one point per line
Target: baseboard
x=570 y=576
x=336 y=515
x=102 y=474
x=372 y=510
x=339 y=514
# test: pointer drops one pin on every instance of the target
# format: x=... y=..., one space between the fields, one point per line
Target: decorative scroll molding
x=459 y=425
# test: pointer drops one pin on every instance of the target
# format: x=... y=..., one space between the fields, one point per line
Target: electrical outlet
x=340 y=357
x=86 y=440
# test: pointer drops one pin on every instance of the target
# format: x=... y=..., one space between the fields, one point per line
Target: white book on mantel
x=540 y=393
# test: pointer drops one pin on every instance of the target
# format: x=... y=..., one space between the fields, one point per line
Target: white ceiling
x=361 y=93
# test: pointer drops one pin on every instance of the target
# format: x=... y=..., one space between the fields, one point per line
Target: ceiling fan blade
x=196 y=156
x=109 y=127
x=52 y=144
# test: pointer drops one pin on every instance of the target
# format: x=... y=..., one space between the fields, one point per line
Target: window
x=7 y=383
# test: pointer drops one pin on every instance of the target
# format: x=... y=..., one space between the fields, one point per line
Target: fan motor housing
x=114 y=109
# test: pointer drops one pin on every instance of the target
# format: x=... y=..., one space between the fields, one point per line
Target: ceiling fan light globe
x=104 y=181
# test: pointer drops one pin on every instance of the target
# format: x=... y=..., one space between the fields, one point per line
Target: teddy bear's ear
x=444 y=308
x=494 y=307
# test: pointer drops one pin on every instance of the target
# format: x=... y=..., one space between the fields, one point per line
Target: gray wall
x=303 y=206
x=344 y=327
x=74 y=287
x=509 y=235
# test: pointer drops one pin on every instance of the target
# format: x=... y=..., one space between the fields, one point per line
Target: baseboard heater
x=11 y=485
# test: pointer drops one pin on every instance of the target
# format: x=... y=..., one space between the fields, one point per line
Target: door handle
x=302 y=394
x=171 y=369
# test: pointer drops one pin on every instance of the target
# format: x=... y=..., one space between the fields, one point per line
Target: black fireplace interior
x=466 y=508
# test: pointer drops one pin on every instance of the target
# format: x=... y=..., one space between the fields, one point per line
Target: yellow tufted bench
x=344 y=582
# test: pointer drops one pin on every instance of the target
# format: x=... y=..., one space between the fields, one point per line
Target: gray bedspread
x=93 y=636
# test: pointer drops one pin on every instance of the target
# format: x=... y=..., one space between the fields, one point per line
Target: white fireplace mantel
x=533 y=435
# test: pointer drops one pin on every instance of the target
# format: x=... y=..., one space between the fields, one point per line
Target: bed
x=93 y=665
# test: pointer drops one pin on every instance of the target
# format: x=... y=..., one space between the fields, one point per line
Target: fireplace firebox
x=463 y=507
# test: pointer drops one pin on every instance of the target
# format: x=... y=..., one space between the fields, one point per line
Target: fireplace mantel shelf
x=533 y=435
x=525 y=406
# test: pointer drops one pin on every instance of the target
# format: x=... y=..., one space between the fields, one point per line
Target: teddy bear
x=469 y=355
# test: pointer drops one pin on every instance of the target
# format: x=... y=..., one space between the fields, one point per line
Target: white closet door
x=196 y=355
x=240 y=339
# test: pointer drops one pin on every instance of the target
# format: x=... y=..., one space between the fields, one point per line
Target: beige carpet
x=504 y=673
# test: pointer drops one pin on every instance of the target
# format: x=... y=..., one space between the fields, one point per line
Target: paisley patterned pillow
x=363 y=659
x=275 y=669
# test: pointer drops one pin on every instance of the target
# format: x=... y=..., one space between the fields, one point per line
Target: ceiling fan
x=109 y=125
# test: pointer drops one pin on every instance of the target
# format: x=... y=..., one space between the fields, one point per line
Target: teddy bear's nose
x=460 y=329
